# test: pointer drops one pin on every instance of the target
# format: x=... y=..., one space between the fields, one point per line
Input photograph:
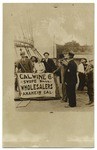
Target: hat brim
x=46 y=53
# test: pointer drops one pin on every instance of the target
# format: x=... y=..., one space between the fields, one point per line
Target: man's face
x=23 y=56
x=82 y=61
x=46 y=56
x=33 y=59
x=91 y=62
x=68 y=56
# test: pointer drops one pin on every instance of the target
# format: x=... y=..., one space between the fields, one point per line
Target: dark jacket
x=89 y=78
x=25 y=66
x=71 y=73
x=49 y=65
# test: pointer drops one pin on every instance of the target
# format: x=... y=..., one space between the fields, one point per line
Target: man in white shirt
x=81 y=75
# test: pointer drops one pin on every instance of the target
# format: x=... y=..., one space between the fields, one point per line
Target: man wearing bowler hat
x=48 y=63
x=71 y=80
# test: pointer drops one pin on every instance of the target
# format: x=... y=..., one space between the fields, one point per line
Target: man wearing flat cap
x=71 y=79
x=48 y=63
x=24 y=64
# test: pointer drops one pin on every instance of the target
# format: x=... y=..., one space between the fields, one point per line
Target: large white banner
x=36 y=85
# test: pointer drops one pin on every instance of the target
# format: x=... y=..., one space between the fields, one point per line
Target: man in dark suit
x=71 y=80
x=48 y=63
x=24 y=64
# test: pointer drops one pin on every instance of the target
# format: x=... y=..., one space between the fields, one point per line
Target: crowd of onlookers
x=66 y=74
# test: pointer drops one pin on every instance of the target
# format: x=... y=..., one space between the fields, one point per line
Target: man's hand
x=64 y=62
x=65 y=83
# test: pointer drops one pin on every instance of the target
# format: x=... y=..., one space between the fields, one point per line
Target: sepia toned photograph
x=48 y=57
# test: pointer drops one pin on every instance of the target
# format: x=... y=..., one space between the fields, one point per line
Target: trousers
x=81 y=81
x=71 y=94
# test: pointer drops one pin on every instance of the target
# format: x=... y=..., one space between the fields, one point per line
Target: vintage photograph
x=54 y=57
x=51 y=51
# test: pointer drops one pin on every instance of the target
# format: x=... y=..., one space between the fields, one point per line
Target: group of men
x=26 y=65
x=65 y=68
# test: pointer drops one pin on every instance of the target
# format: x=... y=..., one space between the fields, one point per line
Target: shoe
x=16 y=90
x=63 y=100
x=89 y=103
x=67 y=106
x=92 y=104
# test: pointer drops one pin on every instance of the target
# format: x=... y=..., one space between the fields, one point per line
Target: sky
x=51 y=24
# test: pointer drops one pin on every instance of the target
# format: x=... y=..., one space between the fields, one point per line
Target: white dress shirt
x=39 y=67
x=81 y=68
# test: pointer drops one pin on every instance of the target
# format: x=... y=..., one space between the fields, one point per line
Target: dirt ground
x=55 y=105
x=47 y=123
